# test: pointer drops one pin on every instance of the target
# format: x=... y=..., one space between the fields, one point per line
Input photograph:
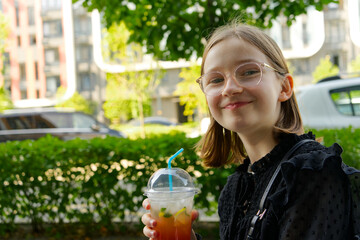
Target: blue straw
x=169 y=167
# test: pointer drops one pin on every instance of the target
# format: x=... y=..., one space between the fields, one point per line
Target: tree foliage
x=5 y=100
x=183 y=24
x=128 y=94
x=76 y=102
x=114 y=42
x=4 y=33
x=355 y=65
x=325 y=69
x=189 y=91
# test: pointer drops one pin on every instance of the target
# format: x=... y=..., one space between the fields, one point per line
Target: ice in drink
x=173 y=218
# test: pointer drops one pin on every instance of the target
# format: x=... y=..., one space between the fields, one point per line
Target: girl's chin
x=236 y=127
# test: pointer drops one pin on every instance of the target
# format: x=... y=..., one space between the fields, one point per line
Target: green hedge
x=91 y=180
x=101 y=180
x=349 y=140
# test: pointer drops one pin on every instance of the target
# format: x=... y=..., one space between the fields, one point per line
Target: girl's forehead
x=231 y=51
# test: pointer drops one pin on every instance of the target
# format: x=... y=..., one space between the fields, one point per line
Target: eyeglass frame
x=263 y=64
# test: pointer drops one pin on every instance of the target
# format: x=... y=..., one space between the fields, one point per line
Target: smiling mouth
x=235 y=105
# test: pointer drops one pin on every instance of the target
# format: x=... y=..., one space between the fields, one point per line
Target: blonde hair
x=220 y=146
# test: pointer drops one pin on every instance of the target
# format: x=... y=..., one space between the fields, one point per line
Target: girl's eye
x=247 y=72
x=250 y=72
x=216 y=80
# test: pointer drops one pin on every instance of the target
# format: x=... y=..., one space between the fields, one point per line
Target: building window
x=82 y=26
x=7 y=84
x=22 y=72
x=18 y=41
x=285 y=33
x=17 y=14
x=50 y=5
x=23 y=94
x=85 y=82
x=336 y=32
x=31 y=16
x=84 y=53
x=335 y=60
x=6 y=58
x=52 y=84
x=301 y=66
x=305 y=34
x=32 y=40
x=52 y=56
x=36 y=71
x=52 y=28
x=6 y=63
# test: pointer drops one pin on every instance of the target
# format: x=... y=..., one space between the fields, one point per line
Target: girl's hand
x=150 y=222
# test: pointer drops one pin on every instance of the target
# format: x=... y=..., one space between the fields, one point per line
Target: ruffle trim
x=275 y=155
x=315 y=160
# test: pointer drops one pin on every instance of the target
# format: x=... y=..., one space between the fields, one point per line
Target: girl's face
x=239 y=108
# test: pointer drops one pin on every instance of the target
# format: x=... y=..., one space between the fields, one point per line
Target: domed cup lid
x=170 y=180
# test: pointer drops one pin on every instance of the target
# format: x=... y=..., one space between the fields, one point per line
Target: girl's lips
x=235 y=105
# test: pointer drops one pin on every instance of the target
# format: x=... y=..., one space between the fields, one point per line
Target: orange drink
x=173 y=227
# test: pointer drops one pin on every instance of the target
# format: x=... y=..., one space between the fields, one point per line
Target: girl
x=255 y=121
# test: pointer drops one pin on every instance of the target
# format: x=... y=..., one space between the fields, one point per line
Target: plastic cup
x=171 y=208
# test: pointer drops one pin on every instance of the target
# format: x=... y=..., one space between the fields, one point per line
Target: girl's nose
x=231 y=87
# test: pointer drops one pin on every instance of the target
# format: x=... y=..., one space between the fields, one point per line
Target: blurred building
x=50 y=45
x=334 y=32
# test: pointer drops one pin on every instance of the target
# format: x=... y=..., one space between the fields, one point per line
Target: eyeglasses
x=246 y=75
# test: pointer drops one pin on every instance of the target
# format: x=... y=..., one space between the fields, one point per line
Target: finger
x=194 y=215
x=148 y=220
x=150 y=233
x=146 y=204
x=193 y=236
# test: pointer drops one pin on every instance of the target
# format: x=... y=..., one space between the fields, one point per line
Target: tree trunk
x=141 y=113
x=141 y=117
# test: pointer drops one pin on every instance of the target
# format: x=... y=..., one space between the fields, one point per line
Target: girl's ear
x=287 y=87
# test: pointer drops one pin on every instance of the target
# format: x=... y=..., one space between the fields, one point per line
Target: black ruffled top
x=309 y=200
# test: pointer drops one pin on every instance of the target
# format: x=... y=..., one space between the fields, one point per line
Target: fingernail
x=153 y=223
x=153 y=234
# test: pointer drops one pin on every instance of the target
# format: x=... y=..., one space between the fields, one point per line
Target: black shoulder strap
x=261 y=211
x=287 y=155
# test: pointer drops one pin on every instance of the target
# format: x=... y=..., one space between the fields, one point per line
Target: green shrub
x=348 y=138
x=101 y=180
x=95 y=180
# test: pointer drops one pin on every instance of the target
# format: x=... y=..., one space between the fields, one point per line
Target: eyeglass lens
x=245 y=75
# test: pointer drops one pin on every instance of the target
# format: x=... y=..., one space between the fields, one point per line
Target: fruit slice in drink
x=174 y=227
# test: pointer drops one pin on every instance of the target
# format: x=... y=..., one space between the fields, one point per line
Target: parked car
x=331 y=103
x=21 y=124
x=153 y=120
